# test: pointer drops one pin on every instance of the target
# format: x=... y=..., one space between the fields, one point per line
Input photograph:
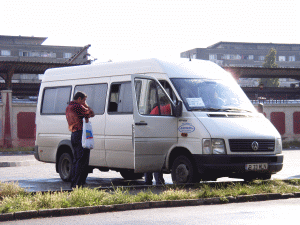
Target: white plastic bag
x=87 y=135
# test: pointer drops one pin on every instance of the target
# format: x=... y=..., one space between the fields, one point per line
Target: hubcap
x=182 y=173
x=66 y=167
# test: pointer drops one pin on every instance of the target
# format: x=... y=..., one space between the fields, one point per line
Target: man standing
x=75 y=112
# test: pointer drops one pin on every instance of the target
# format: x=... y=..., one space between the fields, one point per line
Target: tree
x=270 y=63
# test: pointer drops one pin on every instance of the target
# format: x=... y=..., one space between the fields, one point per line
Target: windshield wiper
x=235 y=109
x=207 y=109
x=221 y=109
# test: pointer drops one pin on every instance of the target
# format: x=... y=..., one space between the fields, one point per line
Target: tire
x=183 y=171
x=65 y=167
x=130 y=175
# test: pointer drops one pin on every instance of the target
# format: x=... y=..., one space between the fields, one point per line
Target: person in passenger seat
x=164 y=109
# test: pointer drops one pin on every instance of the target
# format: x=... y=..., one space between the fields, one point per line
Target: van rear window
x=55 y=100
x=96 y=96
x=120 y=99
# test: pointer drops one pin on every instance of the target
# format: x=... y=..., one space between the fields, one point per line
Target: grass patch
x=13 y=198
x=19 y=149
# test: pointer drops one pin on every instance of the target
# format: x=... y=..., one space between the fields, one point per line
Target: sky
x=138 y=29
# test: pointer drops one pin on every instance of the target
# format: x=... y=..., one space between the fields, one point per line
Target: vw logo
x=254 y=145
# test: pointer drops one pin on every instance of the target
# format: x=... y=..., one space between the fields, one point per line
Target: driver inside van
x=212 y=98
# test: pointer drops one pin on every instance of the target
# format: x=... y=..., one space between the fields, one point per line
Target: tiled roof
x=30 y=67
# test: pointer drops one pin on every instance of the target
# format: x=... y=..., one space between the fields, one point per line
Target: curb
x=17 y=153
x=16 y=164
x=43 y=213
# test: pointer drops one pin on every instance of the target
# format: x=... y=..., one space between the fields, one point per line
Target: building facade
x=30 y=49
x=243 y=54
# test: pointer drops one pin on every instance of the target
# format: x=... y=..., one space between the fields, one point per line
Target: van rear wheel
x=65 y=167
x=183 y=171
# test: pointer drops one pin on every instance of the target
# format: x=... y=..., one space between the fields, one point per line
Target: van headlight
x=213 y=146
x=278 y=146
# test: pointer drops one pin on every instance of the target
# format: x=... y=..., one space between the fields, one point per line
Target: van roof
x=181 y=68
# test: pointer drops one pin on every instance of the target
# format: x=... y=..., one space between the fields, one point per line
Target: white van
x=189 y=118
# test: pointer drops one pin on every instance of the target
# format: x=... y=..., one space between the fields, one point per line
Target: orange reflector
x=184 y=134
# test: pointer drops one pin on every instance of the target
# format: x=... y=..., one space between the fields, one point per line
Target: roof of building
x=29 y=67
x=249 y=43
x=21 y=40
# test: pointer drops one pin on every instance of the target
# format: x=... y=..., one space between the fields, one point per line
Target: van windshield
x=212 y=95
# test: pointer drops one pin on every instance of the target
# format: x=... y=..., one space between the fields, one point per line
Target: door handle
x=141 y=124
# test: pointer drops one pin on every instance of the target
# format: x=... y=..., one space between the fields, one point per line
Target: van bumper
x=36 y=153
x=227 y=165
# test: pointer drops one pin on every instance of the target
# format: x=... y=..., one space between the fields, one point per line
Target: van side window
x=151 y=99
x=168 y=89
x=55 y=100
x=96 y=96
x=120 y=99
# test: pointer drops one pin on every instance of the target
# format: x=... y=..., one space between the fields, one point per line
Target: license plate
x=256 y=167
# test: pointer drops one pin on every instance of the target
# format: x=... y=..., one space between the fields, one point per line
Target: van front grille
x=251 y=145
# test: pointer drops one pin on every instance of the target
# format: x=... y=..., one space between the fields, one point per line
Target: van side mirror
x=177 y=109
x=260 y=108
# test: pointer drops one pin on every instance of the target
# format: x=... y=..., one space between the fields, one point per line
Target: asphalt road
x=37 y=176
x=262 y=212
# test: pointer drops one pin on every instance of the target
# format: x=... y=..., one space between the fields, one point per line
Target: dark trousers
x=80 y=160
x=158 y=178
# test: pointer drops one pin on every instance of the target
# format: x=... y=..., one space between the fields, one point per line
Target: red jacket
x=164 y=110
x=75 y=113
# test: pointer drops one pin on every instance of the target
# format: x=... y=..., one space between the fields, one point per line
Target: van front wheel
x=65 y=167
x=183 y=171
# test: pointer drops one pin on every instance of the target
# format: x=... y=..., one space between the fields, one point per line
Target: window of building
x=281 y=58
x=48 y=54
x=96 y=96
x=261 y=58
x=5 y=52
x=292 y=58
x=35 y=54
x=45 y=54
x=212 y=56
x=55 y=100
x=67 y=55
x=231 y=57
x=24 y=53
x=226 y=56
x=251 y=57
x=120 y=99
